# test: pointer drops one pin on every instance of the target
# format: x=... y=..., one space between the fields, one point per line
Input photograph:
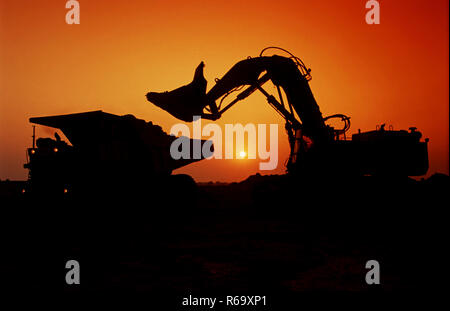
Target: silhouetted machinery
x=315 y=146
x=119 y=153
x=107 y=153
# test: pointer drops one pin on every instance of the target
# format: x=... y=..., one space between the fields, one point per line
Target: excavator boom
x=282 y=71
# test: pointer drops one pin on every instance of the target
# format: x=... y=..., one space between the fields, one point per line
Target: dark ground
x=271 y=236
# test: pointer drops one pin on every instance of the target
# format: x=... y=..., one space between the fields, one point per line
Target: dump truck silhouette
x=106 y=153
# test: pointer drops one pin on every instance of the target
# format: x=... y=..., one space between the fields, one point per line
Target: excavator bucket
x=184 y=102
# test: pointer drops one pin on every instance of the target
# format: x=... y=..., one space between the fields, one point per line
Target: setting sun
x=242 y=154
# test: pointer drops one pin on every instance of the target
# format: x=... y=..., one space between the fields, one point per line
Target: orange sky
x=394 y=73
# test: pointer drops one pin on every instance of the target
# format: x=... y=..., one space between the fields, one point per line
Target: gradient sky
x=395 y=73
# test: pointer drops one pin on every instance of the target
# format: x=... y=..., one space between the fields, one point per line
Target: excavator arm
x=283 y=72
x=247 y=76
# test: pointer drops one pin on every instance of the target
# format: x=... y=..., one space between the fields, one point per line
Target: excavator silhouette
x=315 y=146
